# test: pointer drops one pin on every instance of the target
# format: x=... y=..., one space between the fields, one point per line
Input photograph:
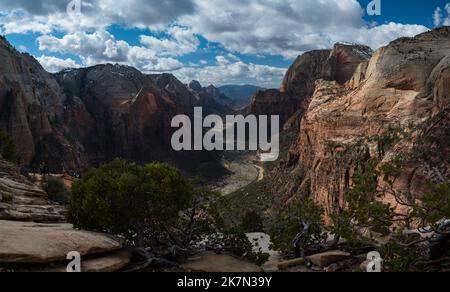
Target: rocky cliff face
x=117 y=111
x=81 y=117
x=395 y=104
x=32 y=111
x=211 y=99
x=298 y=85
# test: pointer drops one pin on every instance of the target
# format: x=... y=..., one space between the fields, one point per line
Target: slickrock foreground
x=26 y=245
x=28 y=242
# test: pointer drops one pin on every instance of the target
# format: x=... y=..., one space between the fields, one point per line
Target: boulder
x=328 y=258
x=107 y=263
x=20 y=200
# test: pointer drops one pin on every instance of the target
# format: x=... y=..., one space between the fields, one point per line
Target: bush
x=130 y=200
x=289 y=223
x=252 y=222
x=238 y=243
x=57 y=191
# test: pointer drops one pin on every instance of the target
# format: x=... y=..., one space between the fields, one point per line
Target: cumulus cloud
x=255 y=27
x=229 y=70
x=102 y=47
x=288 y=27
x=48 y=15
x=441 y=17
x=181 y=42
x=53 y=64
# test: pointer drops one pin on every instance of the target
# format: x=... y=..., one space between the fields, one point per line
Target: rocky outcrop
x=33 y=243
x=32 y=237
x=299 y=83
x=20 y=200
x=32 y=111
x=211 y=99
x=126 y=114
x=82 y=117
x=395 y=104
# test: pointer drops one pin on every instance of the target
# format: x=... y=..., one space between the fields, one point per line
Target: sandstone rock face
x=20 y=200
x=328 y=258
x=108 y=263
x=32 y=243
x=82 y=117
x=32 y=111
x=396 y=104
x=43 y=246
x=123 y=112
x=299 y=83
x=211 y=99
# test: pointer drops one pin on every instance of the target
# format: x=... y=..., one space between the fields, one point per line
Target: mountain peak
x=195 y=85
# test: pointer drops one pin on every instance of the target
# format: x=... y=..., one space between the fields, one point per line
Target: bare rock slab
x=210 y=262
x=32 y=243
x=106 y=263
x=328 y=258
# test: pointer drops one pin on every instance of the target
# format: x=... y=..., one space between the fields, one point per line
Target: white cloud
x=53 y=64
x=102 y=47
x=229 y=71
x=181 y=42
x=288 y=27
x=49 y=15
x=439 y=17
x=257 y=27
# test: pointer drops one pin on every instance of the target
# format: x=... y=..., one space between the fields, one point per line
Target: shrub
x=57 y=191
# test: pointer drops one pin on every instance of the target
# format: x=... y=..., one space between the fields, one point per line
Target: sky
x=213 y=41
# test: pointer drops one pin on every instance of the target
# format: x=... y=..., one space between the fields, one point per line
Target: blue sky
x=213 y=41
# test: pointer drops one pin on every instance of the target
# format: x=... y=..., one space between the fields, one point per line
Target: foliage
x=364 y=209
x=288 y=223
x=130 y=200
x=367 y=218
x=236 y=242
x=57 y=191
x=400 y=253
x=252 y=222
x=434 y=205
x=8 y=149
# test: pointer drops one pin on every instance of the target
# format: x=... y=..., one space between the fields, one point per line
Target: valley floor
x=244 y=171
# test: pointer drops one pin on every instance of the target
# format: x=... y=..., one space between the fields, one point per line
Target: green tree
x=367 y=218
x=364 y=211
x=57 y=191
x=252 y=222
x=296 y=228
x=129 y=200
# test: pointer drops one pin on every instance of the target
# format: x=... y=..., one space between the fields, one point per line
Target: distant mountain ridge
x=241 y=95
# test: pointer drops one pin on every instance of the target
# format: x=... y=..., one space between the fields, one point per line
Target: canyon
x=339 y=109
x=354 y=105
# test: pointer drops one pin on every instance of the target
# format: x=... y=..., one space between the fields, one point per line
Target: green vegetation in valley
x=154 y=207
